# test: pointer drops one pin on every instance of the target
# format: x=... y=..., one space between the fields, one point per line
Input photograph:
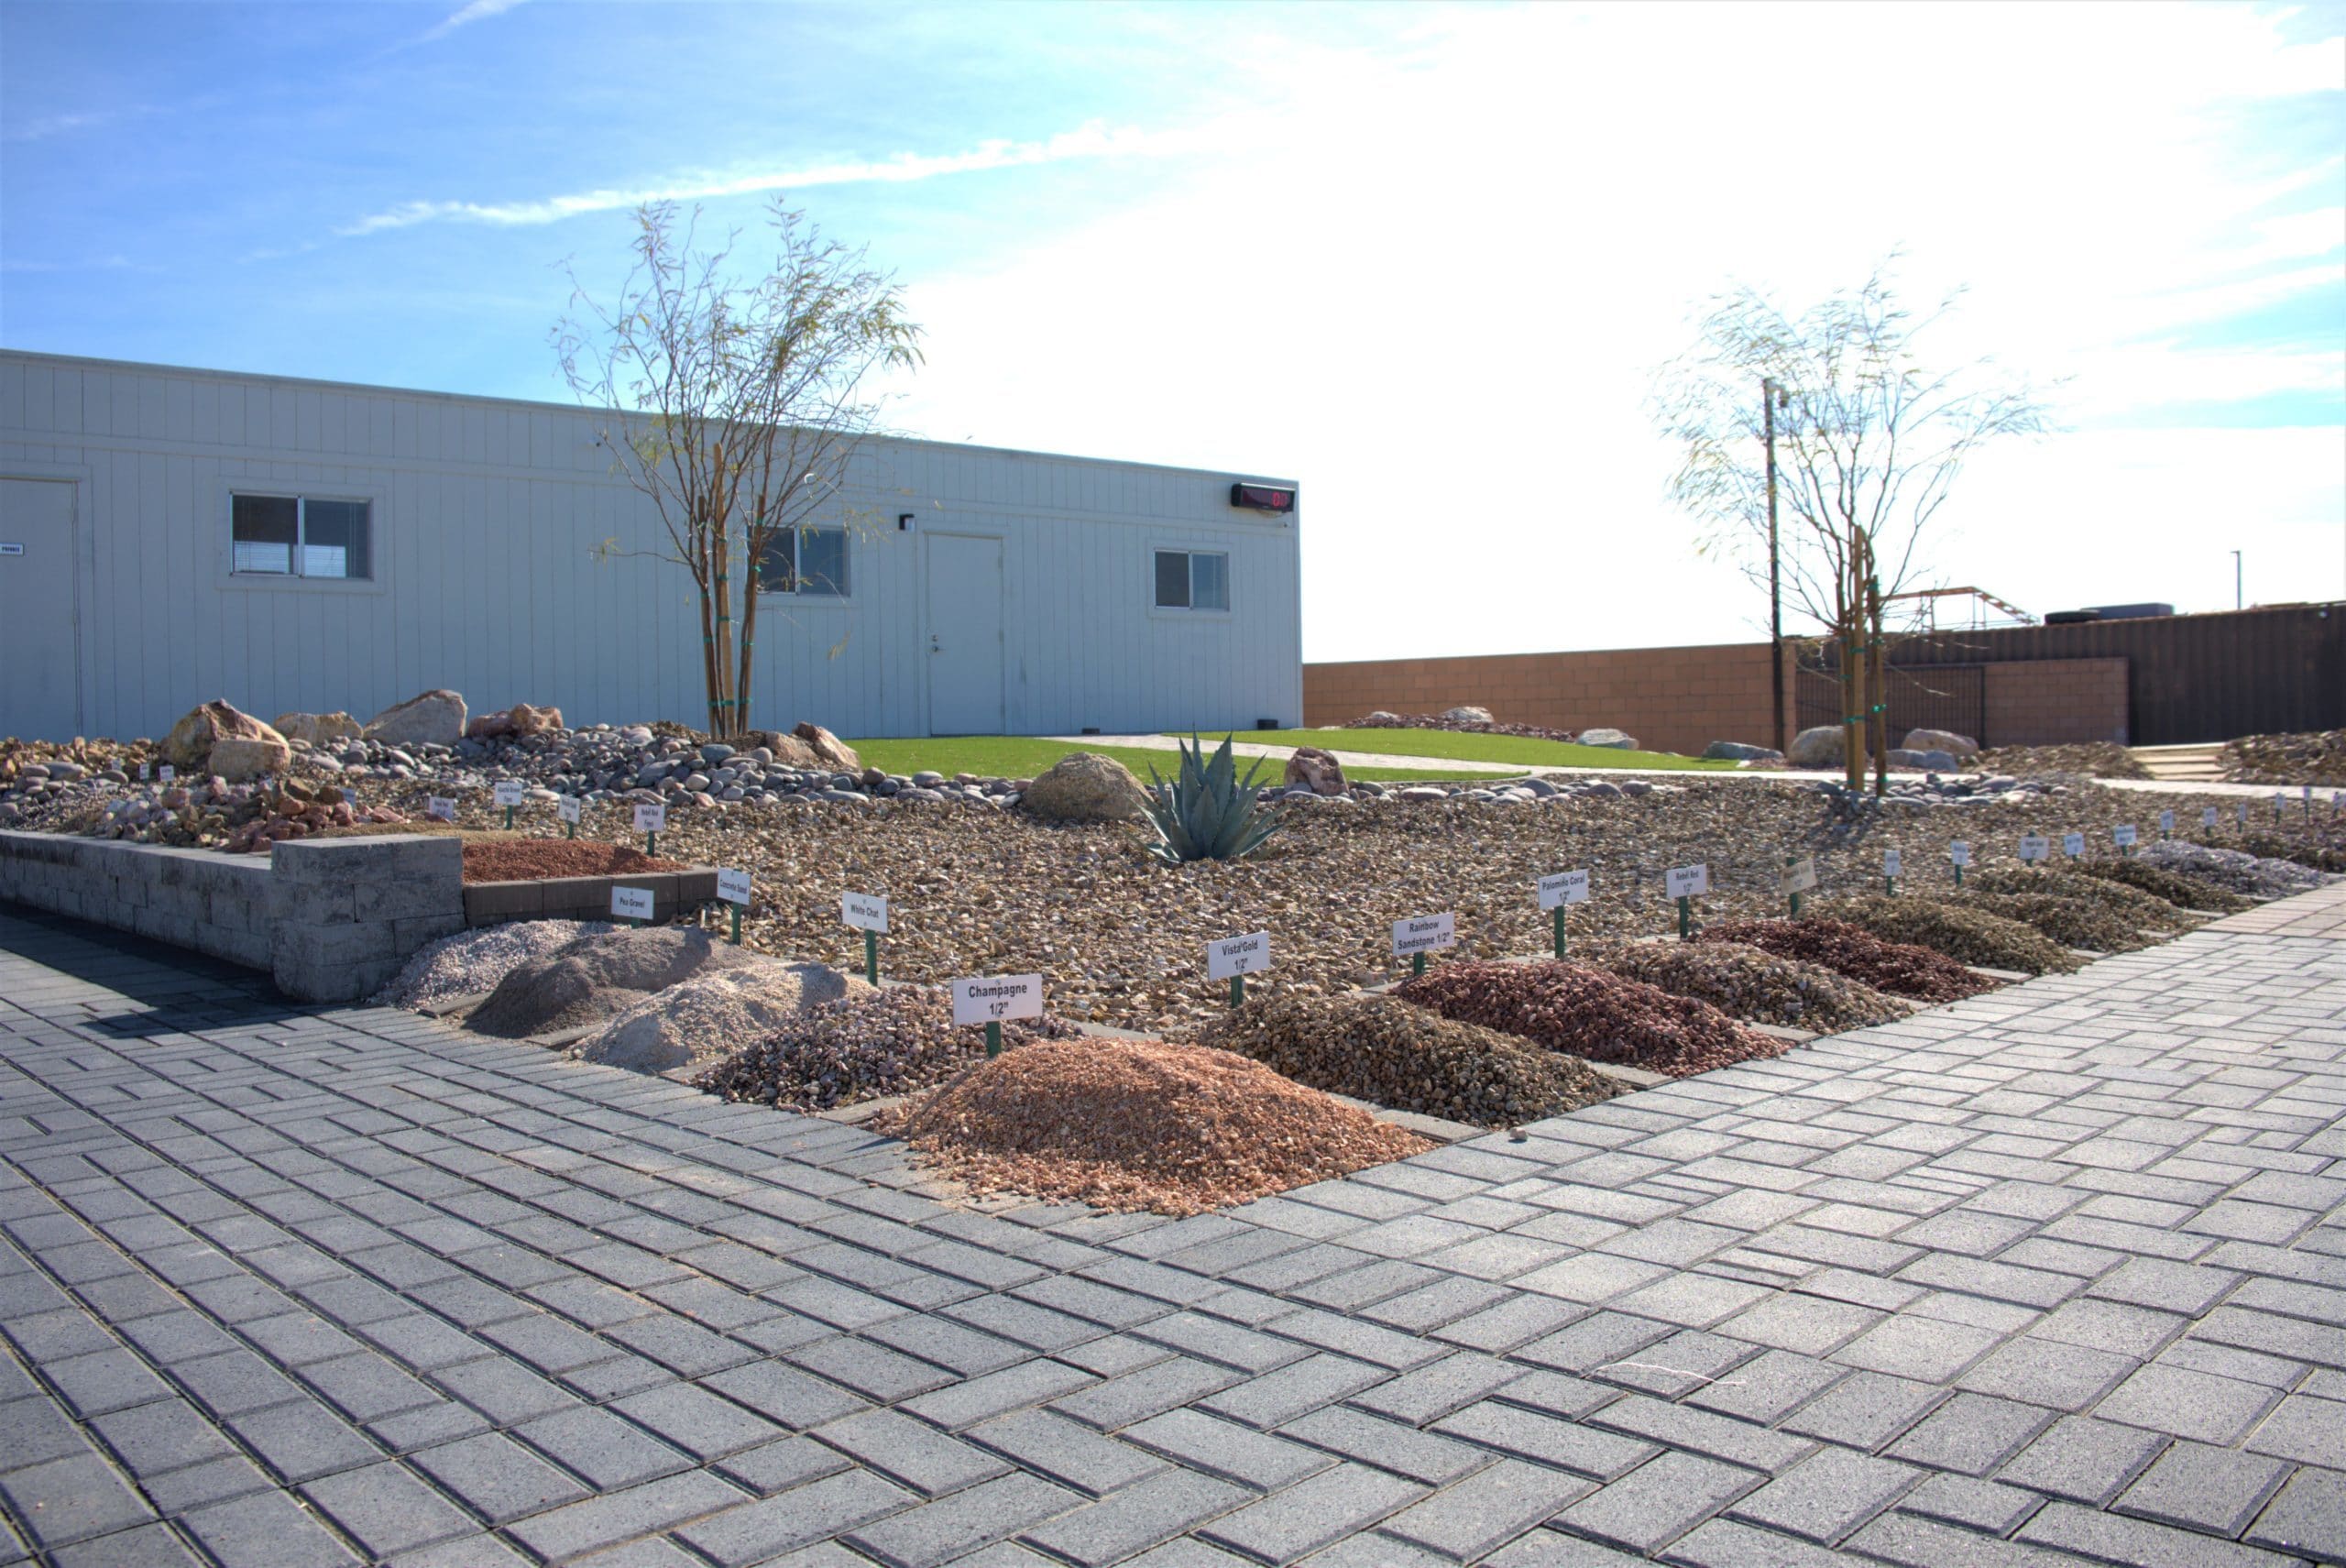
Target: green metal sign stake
x=1237 y=992
x=994 y=1041
x=1958 y=876
x=1686 y=918
x=735 y=910
x=509 y=818
x=1560 y=930
x=651 y=844
x=1417 y=964
x=871 y=957
x=1890 y=885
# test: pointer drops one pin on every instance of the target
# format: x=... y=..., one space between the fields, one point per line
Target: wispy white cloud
x=464 y=17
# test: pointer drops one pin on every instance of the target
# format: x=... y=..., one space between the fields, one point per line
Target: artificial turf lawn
x=1519 y=750
x=1023 y=756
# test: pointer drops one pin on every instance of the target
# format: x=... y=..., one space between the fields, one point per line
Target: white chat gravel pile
x=599 y=977
x=476 y=960
x=697 y=1021
x=2233 y=871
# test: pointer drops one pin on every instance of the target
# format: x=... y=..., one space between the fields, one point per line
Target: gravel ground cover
x=476 y=960
x=1748 y=982
x=597 y=978
x=2322 y=851
x=1130 y=1126
x=2183 y=892
x=2233 y=871
x=866 y=1048
x=697 y=1021
x=2091 y=759
x=1896 y=969
x=1967 y=936
x=1408 y=1059
x=2317 y=758
x=529 y=859
x=2071 y=922
x=2136 y=904
x=1591 y=1014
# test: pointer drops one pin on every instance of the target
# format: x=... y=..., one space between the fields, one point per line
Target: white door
x=964 y=653
x=40 y=682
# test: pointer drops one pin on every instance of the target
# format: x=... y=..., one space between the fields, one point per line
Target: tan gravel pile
x=2317 y=758
x=2120 y=899
x=1898 y=969
x=1132 y=1124
x=600 y=977
x=1588 y=1013
x=702 y=1019
x=2071 y=922
x=1749 y=983
x=532 y=860
x=1966 y=935
x=2091 y=759
x=2324 y=851
x=1373 y=1048
x=476 y=960
x=864 y=1049
x=2174 y=887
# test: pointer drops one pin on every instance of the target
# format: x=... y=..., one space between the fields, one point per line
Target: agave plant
x=1206 y=812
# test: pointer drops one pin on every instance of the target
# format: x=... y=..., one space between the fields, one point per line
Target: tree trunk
x=1882 y=693
x=749 y=642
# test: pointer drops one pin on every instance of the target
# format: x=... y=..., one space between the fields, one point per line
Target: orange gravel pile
x=533 y=860
x=1137 y=1125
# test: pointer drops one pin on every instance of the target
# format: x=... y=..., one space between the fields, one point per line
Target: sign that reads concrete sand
x=506 y=791
x=631 y=904
x=1687 y=881
x=732 y=886
x=1250 y=954
x=864 y=911
x=442 y=807
x=1563 y=888
x=1424 y=934
x=1799 y=876
x=567 y=809
x=2036 y=847
x=650 y=816
x=997 y=997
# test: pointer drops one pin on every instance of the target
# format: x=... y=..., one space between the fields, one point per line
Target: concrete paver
x=2050 y=1275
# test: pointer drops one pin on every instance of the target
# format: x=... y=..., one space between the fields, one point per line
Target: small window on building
x=804 y=561
x=293 y=536
x=1192 y=579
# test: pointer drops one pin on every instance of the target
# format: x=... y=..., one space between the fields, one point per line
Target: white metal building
x=168 y=536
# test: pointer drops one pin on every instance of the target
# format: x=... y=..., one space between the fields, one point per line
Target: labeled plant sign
x=506 y=791
x=1687 y=881
x=2072 y=844
x=2122 y=834
x=1563 y=888
x=631 y=904
x=864 y=911
x=145 y=772
x=1250 y=954
x=1959 y=852
x=650 y=816
x=732 y=886
x=166 y=773
x=2166 y=821
x=1799 y=876
x=1892 y=862
x=997 y=997
x=2036 y=847
x=1424 y=934
x=2243 y=811
x=442 y=807
x=2206 y=817
x=567 y=809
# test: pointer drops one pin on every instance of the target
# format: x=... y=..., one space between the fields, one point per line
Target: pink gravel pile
x=1591 y=1014
x=1901 y=968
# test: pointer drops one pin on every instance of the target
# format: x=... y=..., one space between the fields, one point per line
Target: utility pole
x=1770 y=395
x=2238 y=602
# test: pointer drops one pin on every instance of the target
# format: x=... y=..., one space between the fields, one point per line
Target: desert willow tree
x=738 y=404
x=1867 y=445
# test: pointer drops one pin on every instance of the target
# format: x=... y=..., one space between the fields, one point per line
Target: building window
x=804 y=561
x=294 y=536
x=1192 y=579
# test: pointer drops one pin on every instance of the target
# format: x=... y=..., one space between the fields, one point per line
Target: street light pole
x=2238 y=602
x=1768 y=394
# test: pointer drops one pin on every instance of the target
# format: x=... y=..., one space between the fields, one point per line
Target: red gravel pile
x=1139 y=1124
x=1898 y=967
x=533 y=860
x=1591 y=1014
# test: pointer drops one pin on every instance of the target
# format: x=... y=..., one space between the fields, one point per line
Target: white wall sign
x=2122 y=834
x=1959 y=852
x=1799 y=876
x=632 y=904
x=441 y=807
x=2035 y=847
x=1563 y=888
x=650 y=816
x=1424 y=934
x=1250 y=954
x=12 y=548
x=997 y=997
x=567 y=809
x=2072 y=844
x=506 y=791
x=1891 y=863
x=2166 y=821
x=1687 y=881
x=732 y=886
x=864 y=911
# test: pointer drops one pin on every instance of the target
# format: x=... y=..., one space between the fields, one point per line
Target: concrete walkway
x=2053 y=1275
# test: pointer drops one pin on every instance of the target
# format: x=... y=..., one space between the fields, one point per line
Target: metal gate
x=1930 y=697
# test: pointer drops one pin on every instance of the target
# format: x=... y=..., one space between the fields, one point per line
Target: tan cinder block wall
x=2046 y=702
x=1671 y=699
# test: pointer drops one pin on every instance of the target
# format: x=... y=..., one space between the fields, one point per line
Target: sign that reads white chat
x=1960 y=853
x=567 y=809
x=442 y=807
x=506 y=791
x=631 y=904
x=994 y=998
x=864 y=911
x=2122 y=834
x=2036 y=847
x=1563 y=888
x=650 y=816
x=1687 y=881
x=732 y=886
x=1250 y=954
x=1799 y=876
x=1424 y=934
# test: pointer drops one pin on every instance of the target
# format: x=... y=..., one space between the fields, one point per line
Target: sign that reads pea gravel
x=650 y=816
x=2036 y=847
x=1424 y=934
x=506 y=791
x=1799 y=876
x=1960 y=853
x=1687 y=881
x=2072 y=844
x=2122 y=834
x=631 y=904
x=732 y=886
x=1563 y=888
x=1250 y=954
x=442 y=807
x=567 y=809
x=864 y=911
x=997 y=997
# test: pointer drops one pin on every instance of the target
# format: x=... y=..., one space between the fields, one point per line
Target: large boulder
x=242 y=759
x=786 y=749
x=714 y=1014
x=1941 y=740
x=519 y=720
x=1928 y=762
x=1741 y=751
x=1316 y=770
x=830 y=750
x=1468 y=714
x=190 y=745
x=1615 y=739
x=1820 y=747
x=1084 y=786
x=436 y=717
x=599 y=977
x=317 y=728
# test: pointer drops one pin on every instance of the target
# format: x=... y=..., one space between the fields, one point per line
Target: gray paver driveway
x=2056 y=1275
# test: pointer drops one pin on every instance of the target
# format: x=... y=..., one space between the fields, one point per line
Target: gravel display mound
x=2135 y=906
x=2314 y=758
x=1373 y=1048
x=1132 y=1124
x=1591 y=1014
x=2296 y=844
x=2091 y=759
x=1898 y=969
x=532 y=860
x=864 y=1049
x=2072 y=922
x=710 y=1014
x=600 y=977
x=1966 y=935
x=1750 y=983
x=476 y=960
x=2230 y=869
x=2183 y=892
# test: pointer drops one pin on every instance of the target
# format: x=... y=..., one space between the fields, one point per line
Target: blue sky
x=1424 y=259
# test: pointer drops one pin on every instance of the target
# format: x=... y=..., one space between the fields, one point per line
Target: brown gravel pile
x=2092 y=758
x=1749 y=983
x=865 y=1048
x=532 y=860
x=2122 y=900
x=2072 y=922
x=2319 y=758
x=1135 y=1124
x=1373 y=1048
x=2307 y=847
x=2183 y=892
x=1899 y=969
x=1966 y=935
x=1588 y=1013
